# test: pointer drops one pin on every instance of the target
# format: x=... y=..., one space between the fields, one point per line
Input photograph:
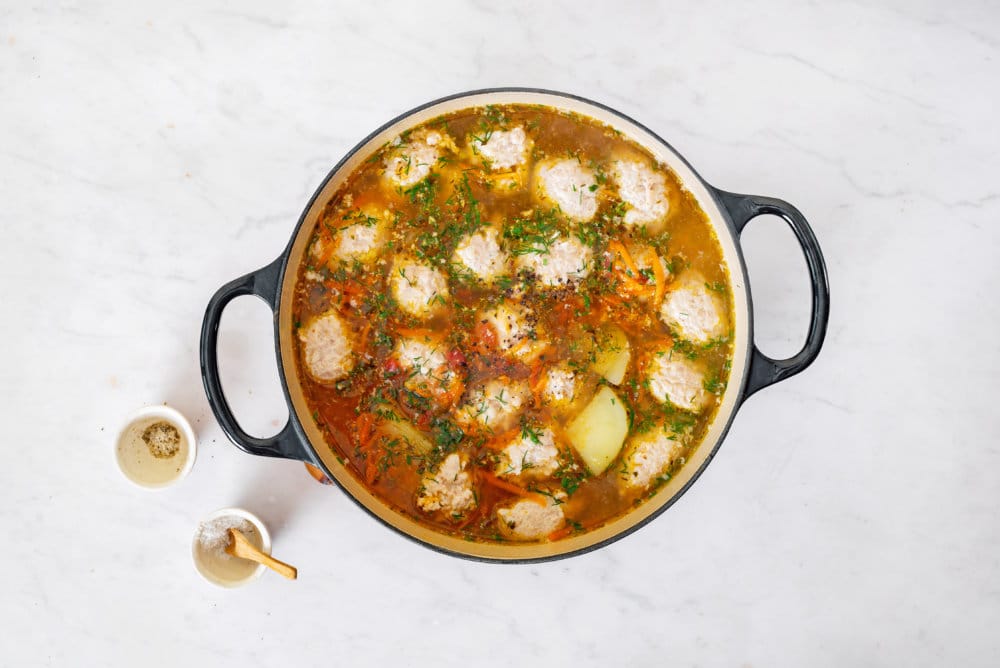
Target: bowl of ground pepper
x=156 y=447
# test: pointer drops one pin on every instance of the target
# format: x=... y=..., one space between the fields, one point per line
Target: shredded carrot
x=612 y=300
x=619 y=248
x=633 y=280
x=470 y=518
x=661 y=279
x=491 y=479
x=364 y=424
x=634 y=283
x=349 y=288
x=561 y=533
x=364 y=336
x=328 y=247
x=324 y=256
x=455 y=393
x=352 y=288
x=536 y=393
x=536 y=381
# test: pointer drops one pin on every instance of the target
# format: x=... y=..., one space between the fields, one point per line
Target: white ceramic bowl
x=136 y=461
x=221 y=569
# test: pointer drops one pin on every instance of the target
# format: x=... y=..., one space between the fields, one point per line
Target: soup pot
x=751 y=370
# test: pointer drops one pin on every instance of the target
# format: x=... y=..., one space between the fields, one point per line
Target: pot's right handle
x=765 y=371
x=262 y=283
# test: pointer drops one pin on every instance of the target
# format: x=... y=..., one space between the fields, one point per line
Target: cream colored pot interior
x=515 y=551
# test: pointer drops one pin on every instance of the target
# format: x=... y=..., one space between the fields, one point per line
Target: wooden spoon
x=240 y=547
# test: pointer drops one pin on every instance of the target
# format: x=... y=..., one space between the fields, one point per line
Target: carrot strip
x=364 y=335
x=352 y=288
x=452 y=396
x=619 y=248
x=632 y=277
x=491 y=479
x=364 y=425
x=324 y=257
x=328 y=247
x=348 y=288
x=561 y=533
x=661 y=279
x=635 y=283
x=614 y=300
x=469 y=519
x=535 y=379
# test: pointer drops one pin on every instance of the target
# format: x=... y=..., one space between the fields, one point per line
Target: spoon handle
x=279 y=567
x=240 y=547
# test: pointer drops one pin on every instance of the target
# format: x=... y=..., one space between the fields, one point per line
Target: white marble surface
x=150 y=152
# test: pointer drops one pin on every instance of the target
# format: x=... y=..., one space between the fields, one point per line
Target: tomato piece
x=485 y=336
x=392 y=367
x=456 y=359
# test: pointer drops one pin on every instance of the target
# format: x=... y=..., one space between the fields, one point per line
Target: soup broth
x=513 y=324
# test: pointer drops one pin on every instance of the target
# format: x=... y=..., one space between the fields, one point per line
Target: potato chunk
x=599 y=431
x=613 y=353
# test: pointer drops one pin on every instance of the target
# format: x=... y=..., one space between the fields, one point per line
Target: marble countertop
x=150 y=152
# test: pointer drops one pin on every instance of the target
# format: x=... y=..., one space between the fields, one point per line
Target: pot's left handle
x=262 y=283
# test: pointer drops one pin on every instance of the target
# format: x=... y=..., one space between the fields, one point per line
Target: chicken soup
x=513 y=324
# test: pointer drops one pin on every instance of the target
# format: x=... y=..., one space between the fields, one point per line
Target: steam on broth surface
x=513 y=324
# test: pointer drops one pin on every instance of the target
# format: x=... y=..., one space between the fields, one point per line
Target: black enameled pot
x=751 y=371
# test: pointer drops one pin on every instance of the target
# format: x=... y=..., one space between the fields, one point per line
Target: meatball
x=674 y=378
x=695 y=312
x=482 y=255
x=647 y=457
x=326 y=348
x=570 y=186
x=515 y=330
x=503 y=150
x=496 y=404
x=427 y=370
x=361 y=235
x=643 y=190
x=420 y=290
x=422 y=357
x=411 y=162
x=559 y=386
x=530 y=519
x=449 y=489
x=565 y=261
x=532 y=453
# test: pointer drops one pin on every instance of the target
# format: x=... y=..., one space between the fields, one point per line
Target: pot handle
x=765 y=371
x=262 y=283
